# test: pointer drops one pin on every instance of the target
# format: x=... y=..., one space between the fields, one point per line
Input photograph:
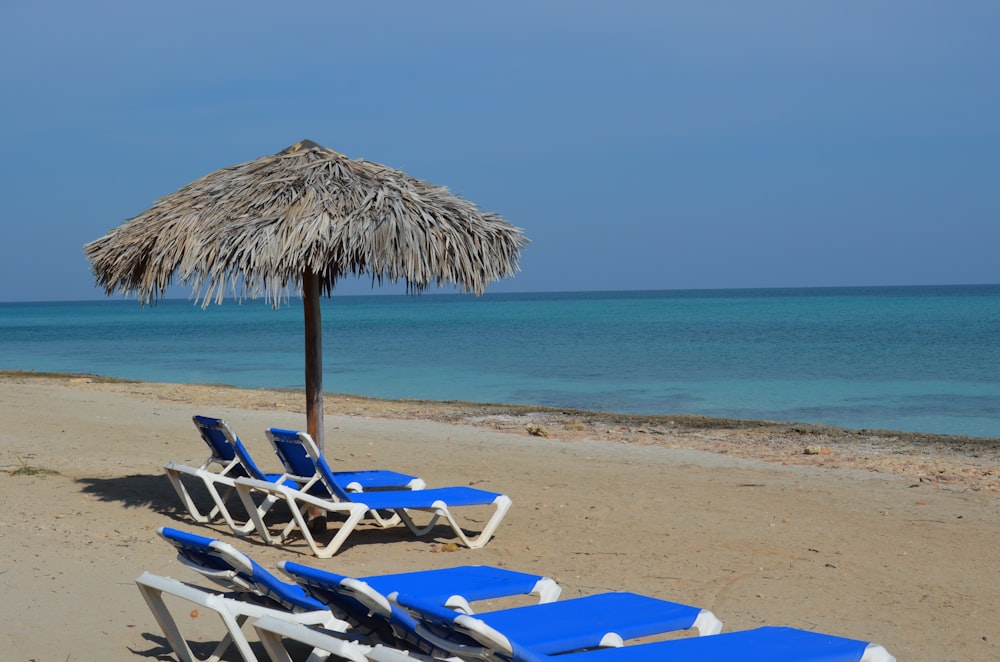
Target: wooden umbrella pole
x=314 y=356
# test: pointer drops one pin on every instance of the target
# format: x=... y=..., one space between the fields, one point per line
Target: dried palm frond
x=255 y=228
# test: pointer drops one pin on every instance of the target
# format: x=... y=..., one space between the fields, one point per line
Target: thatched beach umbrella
x=301 y=219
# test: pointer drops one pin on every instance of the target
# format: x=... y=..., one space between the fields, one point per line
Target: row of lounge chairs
x=404 y=617
x=308 y=486
x=429 y=616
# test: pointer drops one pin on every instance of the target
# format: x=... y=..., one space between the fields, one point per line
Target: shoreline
x=946 y=461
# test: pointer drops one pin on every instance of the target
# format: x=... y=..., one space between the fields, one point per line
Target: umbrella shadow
x=152 y=491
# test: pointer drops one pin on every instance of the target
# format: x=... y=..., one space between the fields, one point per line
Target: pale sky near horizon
x=640 y=144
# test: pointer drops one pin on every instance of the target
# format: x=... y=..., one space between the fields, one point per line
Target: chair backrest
x=437 y=624
x=225 y=565
x=302 y=458
x=351 y=599
x=222 y=451
x=226 y=446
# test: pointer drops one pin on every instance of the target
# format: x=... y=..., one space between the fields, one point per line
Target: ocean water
x=918 y=359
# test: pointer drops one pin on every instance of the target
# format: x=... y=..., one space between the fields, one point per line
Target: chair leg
x=272 y=631
x=152 y=588
x=182 y=492
x=233 y=612
x=220 y=500
x=210 y=481
x=414 y=528
x=440 y=510
x=298 y=504
x=354 y=515
x=383 y=521
x=503 y=504
x=257 y=514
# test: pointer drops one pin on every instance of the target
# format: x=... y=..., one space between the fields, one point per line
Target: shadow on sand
x=160 y=649
x=153 y=491
x=135 y=491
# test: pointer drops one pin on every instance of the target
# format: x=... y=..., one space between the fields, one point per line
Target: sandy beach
x=872 y=535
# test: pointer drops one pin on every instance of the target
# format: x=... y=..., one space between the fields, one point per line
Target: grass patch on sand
x=27 y=470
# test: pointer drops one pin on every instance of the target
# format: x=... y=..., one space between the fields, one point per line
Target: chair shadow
x=161 y=650
x=367 y=535
x=151 y=491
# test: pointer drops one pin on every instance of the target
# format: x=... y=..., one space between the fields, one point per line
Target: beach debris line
x=537 y=430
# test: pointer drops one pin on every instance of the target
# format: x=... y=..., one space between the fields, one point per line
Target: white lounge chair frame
x=300 y=502
x=272 y=632
x=306 y=482
x=233 y=612
x=213 y=479
x=211 y=482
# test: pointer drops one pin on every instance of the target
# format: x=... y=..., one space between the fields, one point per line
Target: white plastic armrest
x=484 y=633
x=270 y=628
x=707 y=623
x=611 y=640
x=458 y=603
x=876 y=653
x=547 y=590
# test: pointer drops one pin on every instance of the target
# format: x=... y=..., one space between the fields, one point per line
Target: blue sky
x=641 y=145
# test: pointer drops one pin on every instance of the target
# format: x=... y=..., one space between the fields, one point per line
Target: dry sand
x=889 y=538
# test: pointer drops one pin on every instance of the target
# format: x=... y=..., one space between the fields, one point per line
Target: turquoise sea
x=917 y=359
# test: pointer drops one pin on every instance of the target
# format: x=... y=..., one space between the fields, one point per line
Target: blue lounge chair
x=552 y=627
x=250 y=593
x=555 y=631
x=765 y=644
x=158 y=590
x=601 y=620
x=456 y=587
x=230 y=459
x=358 y=599
x=236 y=572
x=329 y=494
x=297 y=463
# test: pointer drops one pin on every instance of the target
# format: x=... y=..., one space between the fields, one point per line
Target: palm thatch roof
x=302 y=219
x=255 y=228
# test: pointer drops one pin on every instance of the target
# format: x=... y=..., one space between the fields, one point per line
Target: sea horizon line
x=526 y=293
